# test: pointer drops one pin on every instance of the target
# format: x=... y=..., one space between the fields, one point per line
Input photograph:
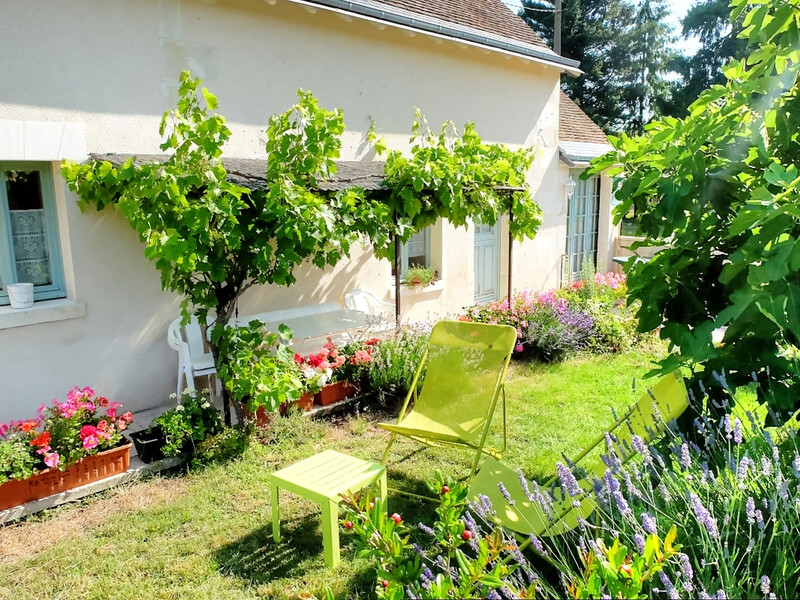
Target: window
x=29 y=246
x=416 y=252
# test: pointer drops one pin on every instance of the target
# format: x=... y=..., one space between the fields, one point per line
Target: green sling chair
x=466 y=367
x=647 y=418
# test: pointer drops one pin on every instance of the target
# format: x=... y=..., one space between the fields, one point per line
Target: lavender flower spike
x=765 y=585
x=506 y=494
x=704 y=517
x=649 y=523
x=568 y=480
x=684 y=457
x=750 y=510
x=523 y=481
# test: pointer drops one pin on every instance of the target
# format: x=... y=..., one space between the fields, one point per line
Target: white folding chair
x=193 y=360
x=381 y=314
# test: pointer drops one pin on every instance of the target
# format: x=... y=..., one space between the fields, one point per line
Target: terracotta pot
x=263 y=417
x=335 y=392
x=304 y=403
x=52 y=481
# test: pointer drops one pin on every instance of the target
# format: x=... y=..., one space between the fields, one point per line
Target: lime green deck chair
x=466 y=368
x=647 y=418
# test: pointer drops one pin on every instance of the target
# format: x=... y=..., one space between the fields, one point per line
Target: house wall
x=101 y=73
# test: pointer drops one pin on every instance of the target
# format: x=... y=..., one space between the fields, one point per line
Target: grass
x=206 y=534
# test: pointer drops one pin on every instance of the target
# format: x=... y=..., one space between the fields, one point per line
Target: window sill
x=436 y=287
x=46 y=311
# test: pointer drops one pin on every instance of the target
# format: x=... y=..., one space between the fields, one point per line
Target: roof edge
x=446 y=30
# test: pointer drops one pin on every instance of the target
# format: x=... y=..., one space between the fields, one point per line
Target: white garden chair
x=381 y=314
x=193 y=359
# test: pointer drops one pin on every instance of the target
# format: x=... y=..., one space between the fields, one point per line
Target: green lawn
x=207 y=534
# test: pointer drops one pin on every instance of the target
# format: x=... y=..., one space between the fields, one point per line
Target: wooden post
x=396 y=276
x=510 y=248
x=557 y=29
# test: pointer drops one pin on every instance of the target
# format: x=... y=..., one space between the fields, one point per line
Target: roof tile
x=574 y=125
x=490 y=16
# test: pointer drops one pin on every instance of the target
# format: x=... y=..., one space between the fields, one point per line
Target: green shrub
x=189 y=423
x=221 y=447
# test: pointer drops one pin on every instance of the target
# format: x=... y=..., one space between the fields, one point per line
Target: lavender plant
x=735 y=500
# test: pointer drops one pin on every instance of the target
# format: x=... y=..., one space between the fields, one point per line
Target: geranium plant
x=321 y=368
x=62 y=434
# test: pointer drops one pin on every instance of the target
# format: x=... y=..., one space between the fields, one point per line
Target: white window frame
x=56 y=289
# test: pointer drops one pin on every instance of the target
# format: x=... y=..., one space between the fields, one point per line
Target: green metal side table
x=325 y=478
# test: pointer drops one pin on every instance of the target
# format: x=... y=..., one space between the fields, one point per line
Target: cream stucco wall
x=109 y=69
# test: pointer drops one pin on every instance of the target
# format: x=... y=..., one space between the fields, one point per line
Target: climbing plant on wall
x=211 y=239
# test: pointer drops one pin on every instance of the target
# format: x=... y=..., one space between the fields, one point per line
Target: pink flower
x=122 y=425
x=90 y=442
x=518 y=348
x=127 y=416
x=51 y=460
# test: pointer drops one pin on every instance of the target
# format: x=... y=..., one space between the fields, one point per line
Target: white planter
x=20 y=295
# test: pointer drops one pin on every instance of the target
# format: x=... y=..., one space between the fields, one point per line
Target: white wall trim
x=42 y=312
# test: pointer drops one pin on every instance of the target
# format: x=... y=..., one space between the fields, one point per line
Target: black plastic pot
x=149 y=444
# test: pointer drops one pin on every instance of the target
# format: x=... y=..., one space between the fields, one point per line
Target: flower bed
x=588 y=314
x=64 y=437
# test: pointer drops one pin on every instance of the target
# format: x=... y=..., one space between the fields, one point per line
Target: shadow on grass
x=256 y=558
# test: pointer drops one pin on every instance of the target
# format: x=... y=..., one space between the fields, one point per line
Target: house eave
x=444 y=30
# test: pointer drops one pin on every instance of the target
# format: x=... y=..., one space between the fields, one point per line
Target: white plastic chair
x=193 y=360
x=381 y=313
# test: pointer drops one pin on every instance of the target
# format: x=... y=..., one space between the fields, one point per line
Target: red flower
x=43 y=439
x=88 y=430
x=27 y=426
x=396 y=518
x=372 y=342
x=299 y=359
x=315 y=360
x=466 y=535
x=102 y=401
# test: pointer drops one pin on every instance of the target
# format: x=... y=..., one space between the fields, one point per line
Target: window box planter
x=336 y=392
x=149 y=444
x=52 y=481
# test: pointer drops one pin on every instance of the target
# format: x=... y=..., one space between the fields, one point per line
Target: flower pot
x=335 y=392
x=20 y=295
x=304 y=403
x=149 y=444
x=52 y=481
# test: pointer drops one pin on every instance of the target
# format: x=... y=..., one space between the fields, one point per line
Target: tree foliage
x=721 y=187
x=622 y=48
x=212 y=240
x=709 y=22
